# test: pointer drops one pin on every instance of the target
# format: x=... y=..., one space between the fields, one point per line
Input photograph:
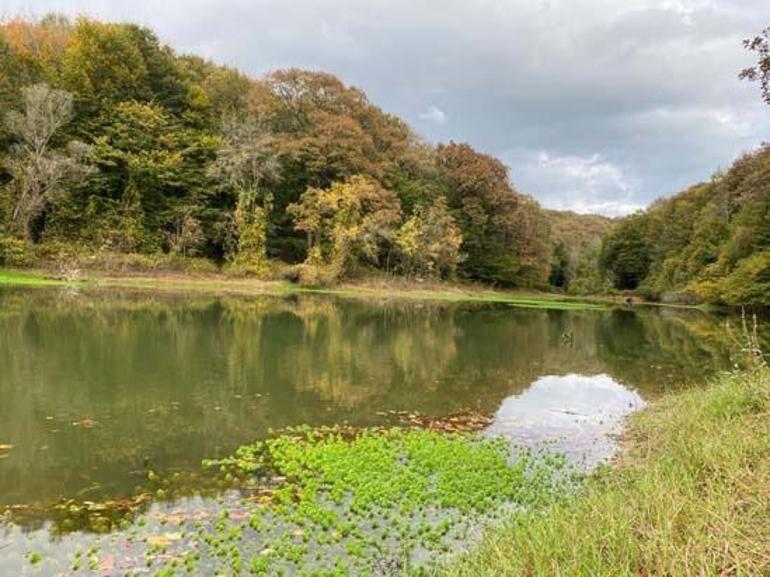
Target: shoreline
x=364 y=289
x=688 y=494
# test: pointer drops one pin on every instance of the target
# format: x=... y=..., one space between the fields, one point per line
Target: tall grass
x=690 y=495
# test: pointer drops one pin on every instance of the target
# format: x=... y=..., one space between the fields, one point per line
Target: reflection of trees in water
x=178 y=379
x=660 y=348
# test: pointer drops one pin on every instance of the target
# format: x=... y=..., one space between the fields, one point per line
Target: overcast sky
x=594 y=105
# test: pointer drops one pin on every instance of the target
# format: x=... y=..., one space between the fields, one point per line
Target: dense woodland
x=113 y=144
x=710 y=242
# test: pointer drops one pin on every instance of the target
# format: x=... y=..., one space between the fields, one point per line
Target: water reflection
x=577 y=415
x=96 y=387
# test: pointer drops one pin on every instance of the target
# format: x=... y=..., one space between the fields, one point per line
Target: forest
x=709 y=243
x=116 y=149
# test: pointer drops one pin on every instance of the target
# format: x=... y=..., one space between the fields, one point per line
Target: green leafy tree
x=626 y=253
x=560 y=274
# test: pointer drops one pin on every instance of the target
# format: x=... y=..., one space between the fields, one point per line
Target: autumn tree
x=504 y=233
x=349 y=223
x=325 y=132
x=760 y=72
x=38 y=169
x=245 y=162
x=429 y=241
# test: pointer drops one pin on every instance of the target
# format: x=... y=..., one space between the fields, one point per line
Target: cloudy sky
x=594 y=105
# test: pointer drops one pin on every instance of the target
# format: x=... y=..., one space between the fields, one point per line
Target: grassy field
x=444 y=292
x=689 y=496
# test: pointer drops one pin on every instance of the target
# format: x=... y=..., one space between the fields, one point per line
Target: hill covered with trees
x=116 y=149
x=710 y=242
x=115 y=144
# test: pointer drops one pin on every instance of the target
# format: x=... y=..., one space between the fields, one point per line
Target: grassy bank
x=11 y=277
x=363 y=289
x=690 y=495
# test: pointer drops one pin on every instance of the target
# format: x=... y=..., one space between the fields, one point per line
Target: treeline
x=709 y=243
x=113 y=143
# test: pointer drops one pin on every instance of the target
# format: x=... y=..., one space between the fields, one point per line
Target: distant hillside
x=710 y=242
x=577 y=241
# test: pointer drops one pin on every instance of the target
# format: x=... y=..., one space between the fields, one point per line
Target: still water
x=98 y=387
x=102 y=391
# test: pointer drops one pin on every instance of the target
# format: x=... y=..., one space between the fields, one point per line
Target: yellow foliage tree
x=348 y=223
x=429 y=241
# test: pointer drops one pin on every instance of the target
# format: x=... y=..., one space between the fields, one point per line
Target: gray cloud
x=595 y=105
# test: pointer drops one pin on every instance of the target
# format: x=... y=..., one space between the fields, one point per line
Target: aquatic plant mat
x=333 y=501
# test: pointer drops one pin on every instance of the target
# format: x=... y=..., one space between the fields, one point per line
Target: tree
x=626 y=253
x=38 y=170
x=348 y=223
x=246 y=162
x=187 y=236
x=504 y=233
x=107 y=63
x=760 y=72
x=560 y=267
x=149 y=164
x=429 y=241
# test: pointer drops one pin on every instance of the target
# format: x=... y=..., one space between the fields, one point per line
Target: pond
x=98 y=387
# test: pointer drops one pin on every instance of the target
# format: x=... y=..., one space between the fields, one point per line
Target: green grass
x=8 y=277
x=689 y=496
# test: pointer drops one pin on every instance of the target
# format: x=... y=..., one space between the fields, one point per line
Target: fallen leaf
x=163 y=540
x=85 y=423
x=107 y=564
x=6 y=447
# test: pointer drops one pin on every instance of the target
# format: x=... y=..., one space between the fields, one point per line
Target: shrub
x=14 y=252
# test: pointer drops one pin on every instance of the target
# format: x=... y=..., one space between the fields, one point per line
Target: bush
x=315 y=275
x=14 y=252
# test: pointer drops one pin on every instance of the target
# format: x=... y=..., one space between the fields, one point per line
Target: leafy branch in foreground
x=760 y=72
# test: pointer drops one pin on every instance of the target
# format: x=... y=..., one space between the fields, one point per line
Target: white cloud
x=631 y=99
x=584 y=184
x=434 y=114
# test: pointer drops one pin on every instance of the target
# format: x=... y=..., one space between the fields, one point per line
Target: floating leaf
x=164 y=539
x=84 y=423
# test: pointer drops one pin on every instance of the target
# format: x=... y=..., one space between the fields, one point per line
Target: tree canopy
x=710 y=241
x=188 y=157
